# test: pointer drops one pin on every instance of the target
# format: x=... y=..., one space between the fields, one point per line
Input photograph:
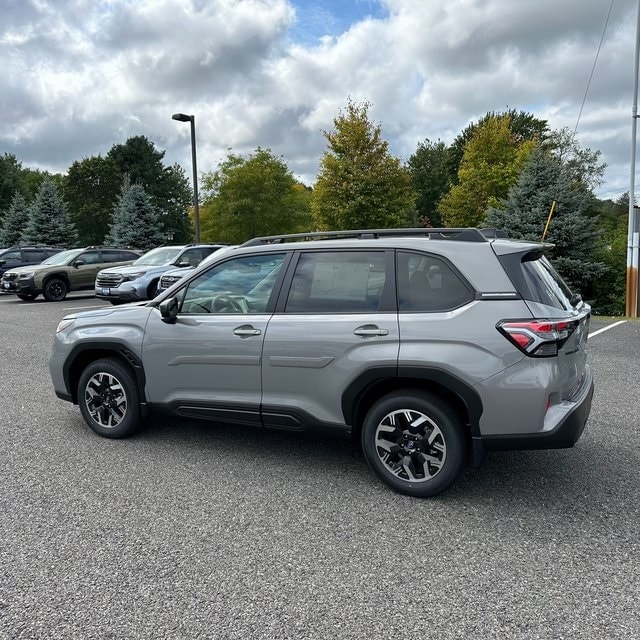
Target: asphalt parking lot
x=193 y=530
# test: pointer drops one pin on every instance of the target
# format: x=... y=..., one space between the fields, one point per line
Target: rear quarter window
x=545 y=285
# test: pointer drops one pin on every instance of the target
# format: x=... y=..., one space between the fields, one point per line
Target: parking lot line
x=615 y=324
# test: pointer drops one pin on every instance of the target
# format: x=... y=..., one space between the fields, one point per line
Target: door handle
x=370 y=330
x=246 y=330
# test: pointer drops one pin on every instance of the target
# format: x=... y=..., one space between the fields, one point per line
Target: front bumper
x=119 y=294
x=22 y=285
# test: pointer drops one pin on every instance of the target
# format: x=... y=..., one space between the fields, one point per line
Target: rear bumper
x=564 y=434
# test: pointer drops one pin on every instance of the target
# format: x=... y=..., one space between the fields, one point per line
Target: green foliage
x=49 y=221
x=254 y=196
x=610 y=289
x=11 y=181
x=14 y=221
x=167 y=187
x=524 y=214
x=136 y=221
x=91 y=189
x=491 y=164
x=583 y=166
x=360 y=184
x=524 y=126
x=431 y=179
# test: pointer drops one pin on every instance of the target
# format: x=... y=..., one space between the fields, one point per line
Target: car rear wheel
x=108 y=398
x=55 y=290
x=414 y=442
x=27 y=296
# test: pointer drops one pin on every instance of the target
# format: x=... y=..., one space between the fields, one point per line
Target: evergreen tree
x=360 y=184
x=49 y=221
x=14 y=221
x=136 y=222
x=167 y=187
x=525 y=212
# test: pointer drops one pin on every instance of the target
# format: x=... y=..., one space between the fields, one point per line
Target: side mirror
x=184 y=263
x=169 y=310
x=78 y=263
x=2 y=261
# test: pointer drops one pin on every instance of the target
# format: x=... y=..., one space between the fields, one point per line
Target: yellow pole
x=546 y=227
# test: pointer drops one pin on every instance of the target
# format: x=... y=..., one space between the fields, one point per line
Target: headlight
x=26 y=274
x=134 y=276
x=65 y=323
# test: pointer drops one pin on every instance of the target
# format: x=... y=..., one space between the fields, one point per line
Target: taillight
x=537 y=338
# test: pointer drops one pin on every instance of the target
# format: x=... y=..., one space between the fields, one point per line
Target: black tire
x=152 y=290
x=414 y=442
x=108 y=398
x=27 y=296
x=55 y=290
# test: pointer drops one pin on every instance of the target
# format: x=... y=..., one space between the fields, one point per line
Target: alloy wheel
x=410 y=445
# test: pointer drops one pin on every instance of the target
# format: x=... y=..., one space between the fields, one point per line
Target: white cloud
x=80 y=76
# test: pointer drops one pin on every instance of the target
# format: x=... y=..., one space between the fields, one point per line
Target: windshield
x=158 y=257
x=63 y=257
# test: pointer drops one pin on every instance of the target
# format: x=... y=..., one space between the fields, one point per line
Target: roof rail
x=465 y=234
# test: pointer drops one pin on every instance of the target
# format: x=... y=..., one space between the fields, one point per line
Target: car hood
x=179 y=271
x=141 y=268
x=33 y=267
x=120 y=310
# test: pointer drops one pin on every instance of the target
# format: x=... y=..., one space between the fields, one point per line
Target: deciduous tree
x=253 y=196
x=491 y=164
x=91 y=189
x=167 y=187
x=360 y=184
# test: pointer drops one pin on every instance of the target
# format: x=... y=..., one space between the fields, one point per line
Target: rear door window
x=32 y=256
x=337 y=282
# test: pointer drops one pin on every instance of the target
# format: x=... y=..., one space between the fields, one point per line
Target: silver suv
x=139 y=281
x=429 y=346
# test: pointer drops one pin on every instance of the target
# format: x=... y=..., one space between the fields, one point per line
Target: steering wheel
x=223 y=302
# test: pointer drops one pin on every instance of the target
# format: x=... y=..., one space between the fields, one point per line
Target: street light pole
x=183 y=117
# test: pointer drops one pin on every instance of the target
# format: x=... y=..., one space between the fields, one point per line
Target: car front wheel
x=108 y=398
x=414 y=442
x=55 y=290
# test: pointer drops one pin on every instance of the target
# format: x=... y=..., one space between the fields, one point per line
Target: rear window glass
x=545 y=285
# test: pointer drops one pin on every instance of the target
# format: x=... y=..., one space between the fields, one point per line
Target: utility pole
x=633 y=230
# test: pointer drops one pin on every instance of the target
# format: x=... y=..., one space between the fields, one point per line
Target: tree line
x=508 y=170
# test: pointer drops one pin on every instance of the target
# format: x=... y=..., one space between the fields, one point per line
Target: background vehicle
x=140 y=280
x=25 y=256
x=169 y=278
x=70 y=270
x=429 y=346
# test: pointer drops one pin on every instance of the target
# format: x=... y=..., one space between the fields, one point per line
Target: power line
x=593 y=68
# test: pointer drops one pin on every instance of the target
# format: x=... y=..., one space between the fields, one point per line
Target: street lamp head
x=183 y=117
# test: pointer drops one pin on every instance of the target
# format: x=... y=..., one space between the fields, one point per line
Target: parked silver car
x=429 y=346
x=139 y=281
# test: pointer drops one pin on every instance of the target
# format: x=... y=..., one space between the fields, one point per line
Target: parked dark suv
x=25 y=256
x=429 y=346
x=70 y=270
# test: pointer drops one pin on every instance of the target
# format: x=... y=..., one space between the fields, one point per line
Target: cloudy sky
x=77 y=76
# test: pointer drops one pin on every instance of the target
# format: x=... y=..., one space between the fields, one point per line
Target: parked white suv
x=430 y=346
